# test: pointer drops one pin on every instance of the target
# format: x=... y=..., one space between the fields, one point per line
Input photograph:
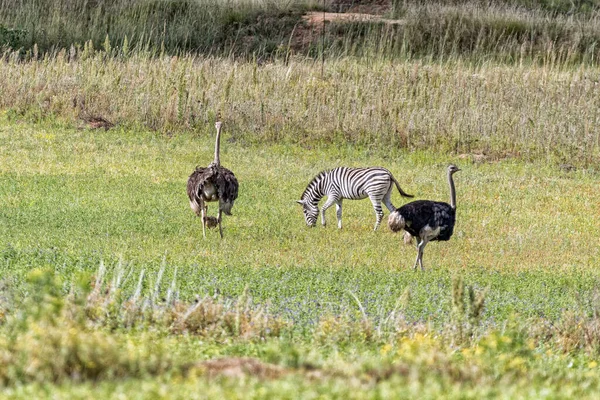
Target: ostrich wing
x=223 y=180
x=227 y=185
x=421 y=213
x=196 y=182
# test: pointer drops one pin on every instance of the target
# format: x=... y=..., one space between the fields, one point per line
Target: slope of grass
x=174 y=26
x=473 y=30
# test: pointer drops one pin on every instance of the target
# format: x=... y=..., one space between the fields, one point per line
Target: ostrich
x=213 y=183
x=428 y=220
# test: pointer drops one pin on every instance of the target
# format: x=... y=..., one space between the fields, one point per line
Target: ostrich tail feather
x=226 y=207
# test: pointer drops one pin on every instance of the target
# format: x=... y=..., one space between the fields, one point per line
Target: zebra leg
x=338 y=210
x=330 y=201
x=378 y=211
x=387 y=200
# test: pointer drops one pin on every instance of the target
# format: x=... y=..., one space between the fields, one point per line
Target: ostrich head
x=452 y=169
x=310 y=212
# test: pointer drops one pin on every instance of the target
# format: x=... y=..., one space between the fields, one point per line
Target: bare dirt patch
x=316 y=18
x=348 y=11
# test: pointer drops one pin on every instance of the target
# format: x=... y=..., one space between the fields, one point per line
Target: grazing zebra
x=428 y=220
x=349 y=183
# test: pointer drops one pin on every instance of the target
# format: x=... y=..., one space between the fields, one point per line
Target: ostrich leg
x=219 y=220
x=203 y=208
x=419 y=259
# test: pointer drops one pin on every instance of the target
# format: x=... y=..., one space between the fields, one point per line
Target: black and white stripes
x=349 y=183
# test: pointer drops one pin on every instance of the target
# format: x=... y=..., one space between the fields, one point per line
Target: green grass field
x=526 y=232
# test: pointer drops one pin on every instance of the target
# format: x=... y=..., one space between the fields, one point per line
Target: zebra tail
x=402 y=192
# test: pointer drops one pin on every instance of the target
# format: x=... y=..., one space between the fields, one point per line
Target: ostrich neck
x=452 y=191
x=217 y=160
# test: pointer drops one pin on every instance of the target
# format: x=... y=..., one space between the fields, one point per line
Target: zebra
x=348 y=183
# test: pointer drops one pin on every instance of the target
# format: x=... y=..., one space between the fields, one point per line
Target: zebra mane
x=314 y=181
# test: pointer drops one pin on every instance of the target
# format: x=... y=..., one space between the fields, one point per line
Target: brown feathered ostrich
x=213 y=183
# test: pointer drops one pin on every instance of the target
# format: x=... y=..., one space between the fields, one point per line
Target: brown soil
x=240 y=367
x=349 y=11
x=316 y=18
x=97 y=122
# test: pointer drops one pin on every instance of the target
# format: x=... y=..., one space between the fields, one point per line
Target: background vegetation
x=540 y=31
x=528 y=112
x=252 y=26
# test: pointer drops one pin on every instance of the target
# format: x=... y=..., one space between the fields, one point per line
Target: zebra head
x=310 y=212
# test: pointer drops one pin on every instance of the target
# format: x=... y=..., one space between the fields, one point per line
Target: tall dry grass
x=160 y=25
x=533 y=112
x=479 y=31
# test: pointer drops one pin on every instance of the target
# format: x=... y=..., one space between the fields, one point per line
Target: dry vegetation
x=527 y=111
x=512 y=31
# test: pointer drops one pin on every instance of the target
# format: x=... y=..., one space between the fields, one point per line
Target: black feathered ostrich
x=428 y=220
x=213 y=183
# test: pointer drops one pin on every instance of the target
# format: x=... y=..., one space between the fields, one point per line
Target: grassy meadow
x=346 y=303
x=108 y=290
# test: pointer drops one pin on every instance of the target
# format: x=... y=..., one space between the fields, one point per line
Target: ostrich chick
x=210 y=221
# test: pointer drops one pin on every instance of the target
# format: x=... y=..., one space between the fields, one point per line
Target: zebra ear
x=301 y=202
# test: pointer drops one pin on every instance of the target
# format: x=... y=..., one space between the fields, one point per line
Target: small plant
x=343 y=331
x=48 y=339
x=12 y=38
x=467 y=309
x=577 y=329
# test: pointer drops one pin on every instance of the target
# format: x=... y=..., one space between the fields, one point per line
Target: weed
x=467 y=309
